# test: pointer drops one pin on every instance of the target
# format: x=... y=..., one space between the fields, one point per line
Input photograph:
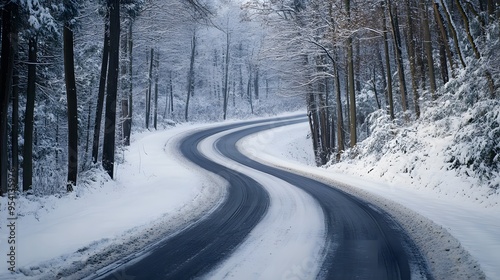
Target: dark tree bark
x=393 y=13
x=171 y=91
x=130 y=84
x=374 y=83
x=340 y=119
x=428 y=48
x=465 y=19
x=15 y=127
x=87 y=140
x=411 y=57
x=126 y=124
x=226 y=77
x=108 y=151
x=190 y=84
x=249 y=90
x=453 y=32
x=125 y=84
x=312 y=113
x=155 y=113
x=101 y=93
x=9 y=45
x=384 y=76
x=256 y=83
x=444 y=37
x=29 y=116
x=69 y=74
x=350 y=83
x=387 y=65
x=149 y=92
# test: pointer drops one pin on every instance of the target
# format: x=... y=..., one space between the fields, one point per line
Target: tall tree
x=411 y=57
x=453 y=32
x=387 y=64
x=108 y=151
x=29 y=116
x=226 y=75
x=428 y=48
x=9 y=46
x=102 y=90
x=466 y=21
x=157 y=74
x=393 y=14
x=149 y=92
x=69 y=75
x=190 y=83
x=15 y=125
x=350 y=81
x=444 y=36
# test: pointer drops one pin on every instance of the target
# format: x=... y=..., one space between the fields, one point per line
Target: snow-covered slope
x=474 y=223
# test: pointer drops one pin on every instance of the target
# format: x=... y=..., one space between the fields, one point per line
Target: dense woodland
x=362 y=56
x=78 y=77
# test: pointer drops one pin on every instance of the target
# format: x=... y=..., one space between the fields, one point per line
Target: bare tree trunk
x=149 y=92
x=352 y=95
x=108 y=151
x=101 y=93
x=171 y=93
x=29 y=116
x=340 y=119
x=393 y=13
x=15 y=127
x=190 y=84
x=226 y=77
x=428 y=49
x=451 y=27
x=444 y=37
x=125 y=84
x=155 y=113
x=249 y=90
x=256 y=83
x=384 y=76
x=87 y=132
x=126 y=125
x=9 y=46
x=411 y=53
x=69 y=74
x=130 y=82
x=387 y=65
x=312 y=113
x=375 y=91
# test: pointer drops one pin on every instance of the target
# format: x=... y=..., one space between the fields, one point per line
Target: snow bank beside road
x=476 y=228
x=152 y=196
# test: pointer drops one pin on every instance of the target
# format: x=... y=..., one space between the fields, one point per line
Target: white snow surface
x=153 y=194
x=475 y=224
x=156 y=194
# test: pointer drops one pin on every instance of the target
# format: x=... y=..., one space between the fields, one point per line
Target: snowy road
x=276 y=224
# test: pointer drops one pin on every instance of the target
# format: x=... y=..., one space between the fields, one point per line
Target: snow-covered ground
x=475 y=224
x=155 y=194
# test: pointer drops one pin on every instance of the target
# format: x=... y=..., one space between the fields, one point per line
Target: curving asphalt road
x=363 y=241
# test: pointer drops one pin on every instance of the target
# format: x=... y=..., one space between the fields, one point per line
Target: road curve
x=364 y=242
x=197 y=249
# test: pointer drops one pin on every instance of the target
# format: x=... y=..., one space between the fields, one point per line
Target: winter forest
x=77 y=78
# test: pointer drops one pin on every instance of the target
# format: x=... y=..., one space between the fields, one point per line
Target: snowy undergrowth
x=453 y=149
